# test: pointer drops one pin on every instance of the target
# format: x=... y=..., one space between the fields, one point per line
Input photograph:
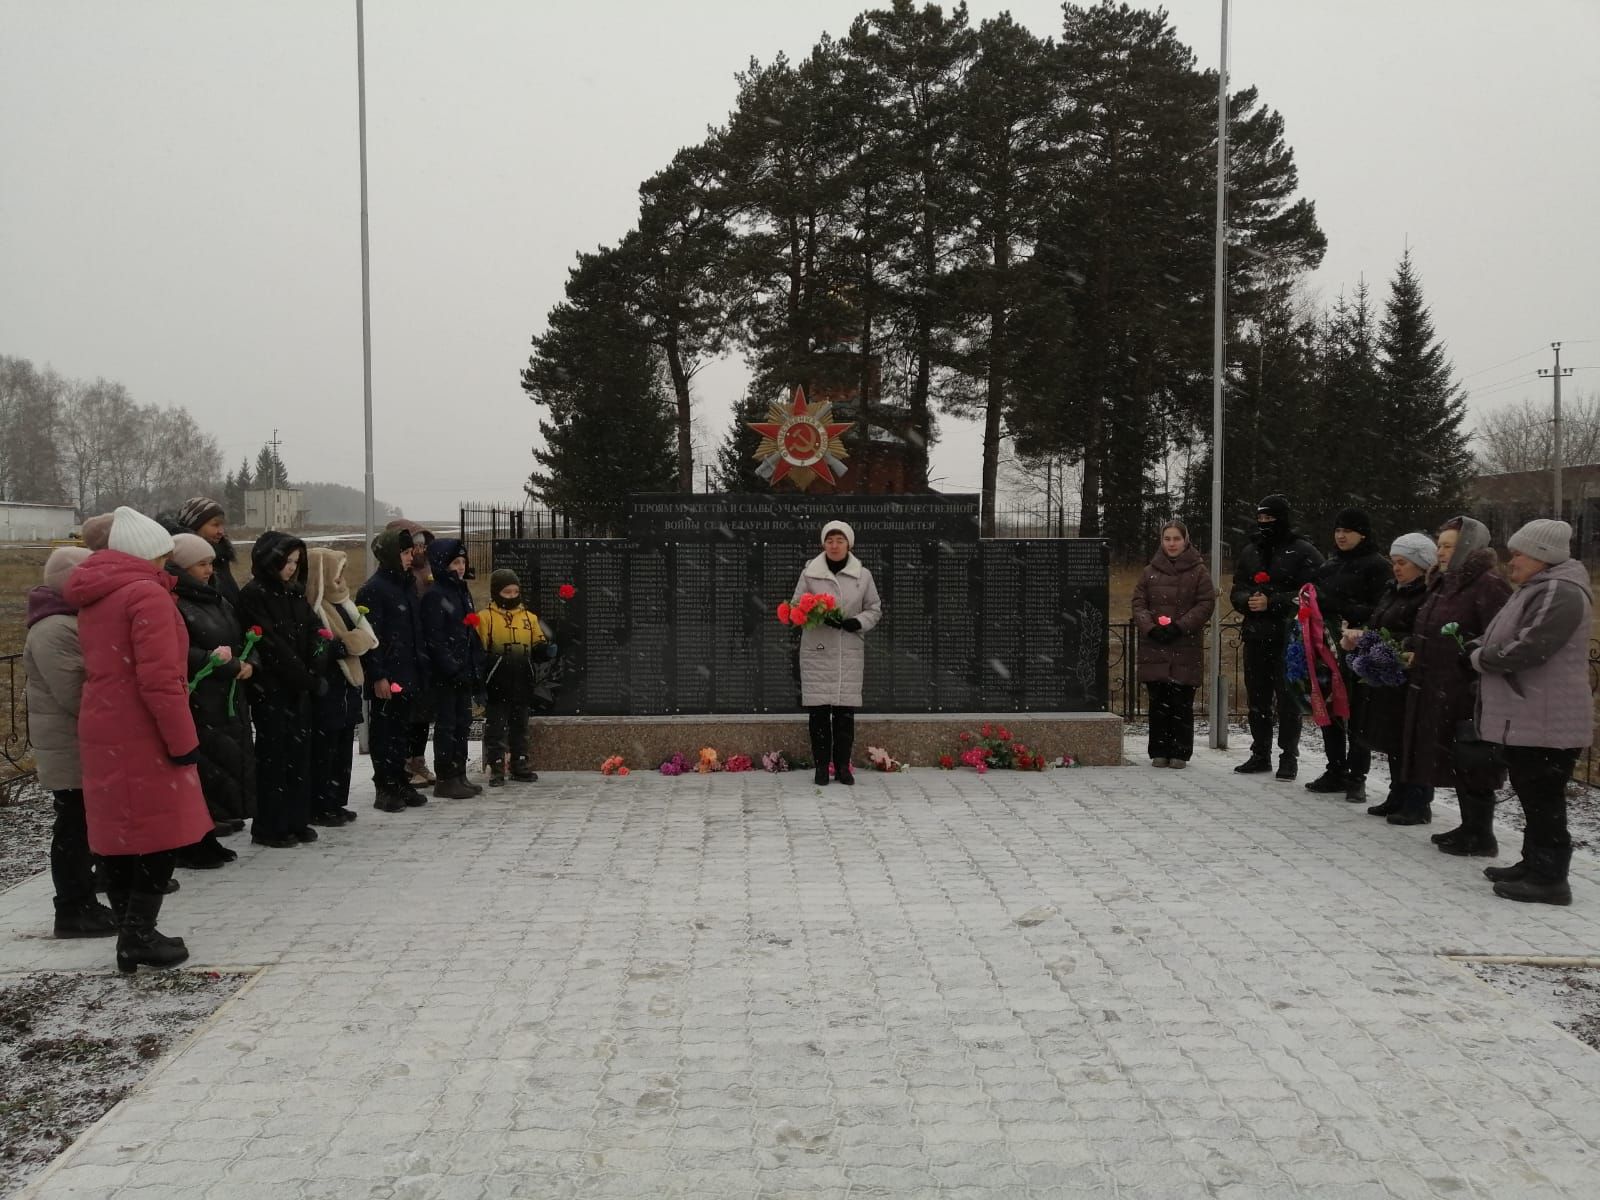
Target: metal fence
x=15 y=765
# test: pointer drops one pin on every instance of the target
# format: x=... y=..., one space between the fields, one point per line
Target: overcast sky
x=178 y=193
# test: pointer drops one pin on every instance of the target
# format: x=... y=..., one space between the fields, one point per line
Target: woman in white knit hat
x=136 y=736
x=1534 y=701
x=833 y=656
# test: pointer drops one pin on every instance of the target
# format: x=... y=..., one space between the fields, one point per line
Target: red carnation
x=256 y=629
x=1163 y=620
x=472 y=619
x=1005 y=734
x=395 y=688
x=566 y=591
x=1262 y=577
x=808 y=601
x=783 y=612
x=797 y=616
x=966 y=737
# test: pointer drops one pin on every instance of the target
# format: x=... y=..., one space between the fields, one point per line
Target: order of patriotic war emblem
x=801 y=443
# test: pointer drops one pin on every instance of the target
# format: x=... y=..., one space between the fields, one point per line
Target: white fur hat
x=134 y=533
x=839 y=527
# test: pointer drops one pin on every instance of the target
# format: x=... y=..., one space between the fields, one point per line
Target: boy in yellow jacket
x=514 y=641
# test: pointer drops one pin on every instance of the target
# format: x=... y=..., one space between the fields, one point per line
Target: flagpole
x=1219 y=679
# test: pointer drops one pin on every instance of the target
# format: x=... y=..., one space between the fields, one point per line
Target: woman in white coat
x=833 y=656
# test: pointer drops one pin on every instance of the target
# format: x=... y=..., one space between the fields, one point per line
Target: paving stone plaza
x=1092 y=982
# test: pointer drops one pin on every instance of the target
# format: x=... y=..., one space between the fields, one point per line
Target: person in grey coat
x=833 y=656
x=1534 y=701
x=53 y=663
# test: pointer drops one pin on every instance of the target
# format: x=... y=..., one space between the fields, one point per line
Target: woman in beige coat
x=833 y=656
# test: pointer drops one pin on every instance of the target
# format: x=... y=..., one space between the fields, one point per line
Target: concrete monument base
x=582 y=743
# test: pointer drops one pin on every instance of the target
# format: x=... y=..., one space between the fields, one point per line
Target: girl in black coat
x=286 y=683
x=227 y=757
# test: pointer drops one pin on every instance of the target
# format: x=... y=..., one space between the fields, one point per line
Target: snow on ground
x=1568 y=996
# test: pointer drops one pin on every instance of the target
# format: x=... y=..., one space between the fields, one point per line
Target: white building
x=274 y=508
x=36 y=522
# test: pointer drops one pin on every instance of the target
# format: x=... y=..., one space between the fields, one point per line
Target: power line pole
x=272 y=493
x=1555 y=448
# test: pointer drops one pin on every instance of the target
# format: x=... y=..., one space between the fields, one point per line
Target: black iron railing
x=16 y=766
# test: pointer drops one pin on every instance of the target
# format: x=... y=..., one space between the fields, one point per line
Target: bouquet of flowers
x=1376 y=660
x=774 y=761
x=808 y=612
x=882 y=760
x=676 y=765
x=708 y=761
x=738 y=762
x=614 y=766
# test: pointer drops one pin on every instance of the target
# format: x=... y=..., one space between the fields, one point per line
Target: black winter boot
x=453 y=789
x=1449 y=837
x=85 y=919
x=1256 y=764
x=821 y=728
x=844 y=737
x=497 y=775
x=1477 y=829
x=522 y=772
x=1390 y=805
x=1545 y=881
x=390 y=801
x=139 y=942
x=1355 y=789
x=1288 y=768
x=1329 y=782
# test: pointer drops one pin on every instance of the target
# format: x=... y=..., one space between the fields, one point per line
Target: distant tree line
x=91 y=445
x=984 y=222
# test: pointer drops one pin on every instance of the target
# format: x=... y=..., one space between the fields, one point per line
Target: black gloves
x=544 y=651
x=185 y=760
x=850 y=625
x=1162 y=634
x=322 y=686
x=337 y=649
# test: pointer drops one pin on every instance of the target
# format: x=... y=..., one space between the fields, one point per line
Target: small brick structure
x=582 y=743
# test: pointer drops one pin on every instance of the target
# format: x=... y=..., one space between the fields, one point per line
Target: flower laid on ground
x=738 y=762
x=994 y=746
x=1377 y=660
x=676 y=765
x=810 y=610
x=1063 y=760
x=708 y=761
x=614 y=766
x=566 y=591
x=977 y=758
x=882 y=760
x=774 y=761
x=946 y=763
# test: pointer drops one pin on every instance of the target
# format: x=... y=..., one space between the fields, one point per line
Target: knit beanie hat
x=1355 y=521
x=96 y=532
x=1276 y=507
x=134 y=533
x=1547 y=540
x=189 y=549
x=60 y=564
x=839 y=527
x=1417 y=548
x=197 y=511
x=502 y=579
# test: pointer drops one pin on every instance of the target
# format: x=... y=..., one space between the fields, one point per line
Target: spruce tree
x=1425 y=461
x=609 y=428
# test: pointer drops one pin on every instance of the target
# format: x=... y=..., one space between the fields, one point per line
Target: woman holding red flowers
x=833 y=653
x=1171 y=604
x=450 y=624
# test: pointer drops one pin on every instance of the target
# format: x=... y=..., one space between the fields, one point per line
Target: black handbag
x=1471 y=753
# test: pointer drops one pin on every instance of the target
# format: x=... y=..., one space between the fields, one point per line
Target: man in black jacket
x=1266 y=584
x=397 y=670
x=1349 y=585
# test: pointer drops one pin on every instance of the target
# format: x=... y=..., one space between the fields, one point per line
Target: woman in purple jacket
x=1534 y=701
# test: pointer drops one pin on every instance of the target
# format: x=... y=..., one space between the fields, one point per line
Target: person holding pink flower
x=1172 y=603
x=833 y=652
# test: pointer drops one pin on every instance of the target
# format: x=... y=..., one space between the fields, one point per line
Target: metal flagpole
x=366 y=270
x=1219 y=680
x=366 y=317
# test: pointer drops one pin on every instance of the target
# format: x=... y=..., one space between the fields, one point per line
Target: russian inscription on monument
x=679 y=617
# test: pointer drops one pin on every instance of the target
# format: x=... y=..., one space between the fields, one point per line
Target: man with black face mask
x=1266 y=585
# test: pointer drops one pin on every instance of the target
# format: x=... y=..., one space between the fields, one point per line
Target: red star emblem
x=800 y=442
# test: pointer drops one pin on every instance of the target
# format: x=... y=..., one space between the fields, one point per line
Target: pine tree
x=270 y=471
x=736 y=456
x=610 y=428
x=1425 y=464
